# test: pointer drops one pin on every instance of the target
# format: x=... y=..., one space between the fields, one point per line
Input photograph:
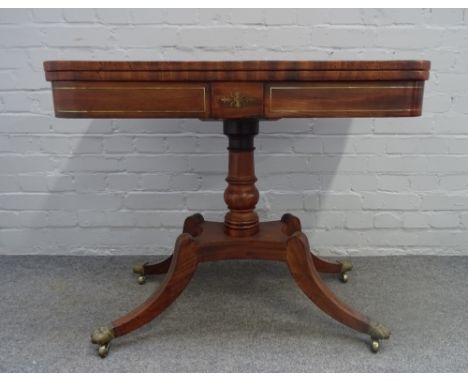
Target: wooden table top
x=237 y=89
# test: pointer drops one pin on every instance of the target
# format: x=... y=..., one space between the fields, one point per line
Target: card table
x=240 y=93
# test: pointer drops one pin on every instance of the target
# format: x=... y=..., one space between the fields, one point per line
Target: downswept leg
x=191 y=226
x=152 y=269
x=302 y=268
x=293 y=224
x=325 y=266
x=183 y=265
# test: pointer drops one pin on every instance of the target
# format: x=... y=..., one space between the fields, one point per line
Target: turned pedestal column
x=241 y=195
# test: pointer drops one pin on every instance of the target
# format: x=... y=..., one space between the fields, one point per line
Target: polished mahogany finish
x=245 y=89
x=130 y=99
x=240 y=94
x=208 y=241
x=235 y=66
x=241 y=195
x=344 y=99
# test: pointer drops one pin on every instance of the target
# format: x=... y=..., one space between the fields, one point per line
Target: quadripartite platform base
x=208 y=241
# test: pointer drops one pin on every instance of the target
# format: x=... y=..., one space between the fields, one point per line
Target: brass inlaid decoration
x=202 y=88
x=348 y=87
x=238 y=100
x=130 y=111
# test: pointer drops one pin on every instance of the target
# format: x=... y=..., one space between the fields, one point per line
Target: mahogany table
x=240 y=94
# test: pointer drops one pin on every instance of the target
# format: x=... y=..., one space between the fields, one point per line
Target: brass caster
x=346 y=266
x=343 y=277
x=103 y=350
x=141 y=280
x=140 y=270
x=377 y=332
x=375 y=345
x=102 y=337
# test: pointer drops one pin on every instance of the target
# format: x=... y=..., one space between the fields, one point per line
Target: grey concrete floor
x=235 y=316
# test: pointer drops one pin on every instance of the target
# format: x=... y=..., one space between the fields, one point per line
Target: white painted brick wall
x=360 y=186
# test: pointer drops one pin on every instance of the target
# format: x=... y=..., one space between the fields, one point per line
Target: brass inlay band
x=340 y=88
x=130 y=111
x=333 y=110
x=344 y=87
x=203 y=88
x=128 y=87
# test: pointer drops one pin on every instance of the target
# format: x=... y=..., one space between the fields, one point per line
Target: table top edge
x=342 y=65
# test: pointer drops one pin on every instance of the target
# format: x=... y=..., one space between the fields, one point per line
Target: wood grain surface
x=244 y=89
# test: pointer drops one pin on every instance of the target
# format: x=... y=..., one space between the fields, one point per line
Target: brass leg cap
x=378 y=331
x=346 y=266
x=139 y=269
x=102 y=335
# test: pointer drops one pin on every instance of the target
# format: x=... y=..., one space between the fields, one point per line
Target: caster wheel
x=343 y=277
x=141 y=280
x=103 y=350
x=375 y=346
